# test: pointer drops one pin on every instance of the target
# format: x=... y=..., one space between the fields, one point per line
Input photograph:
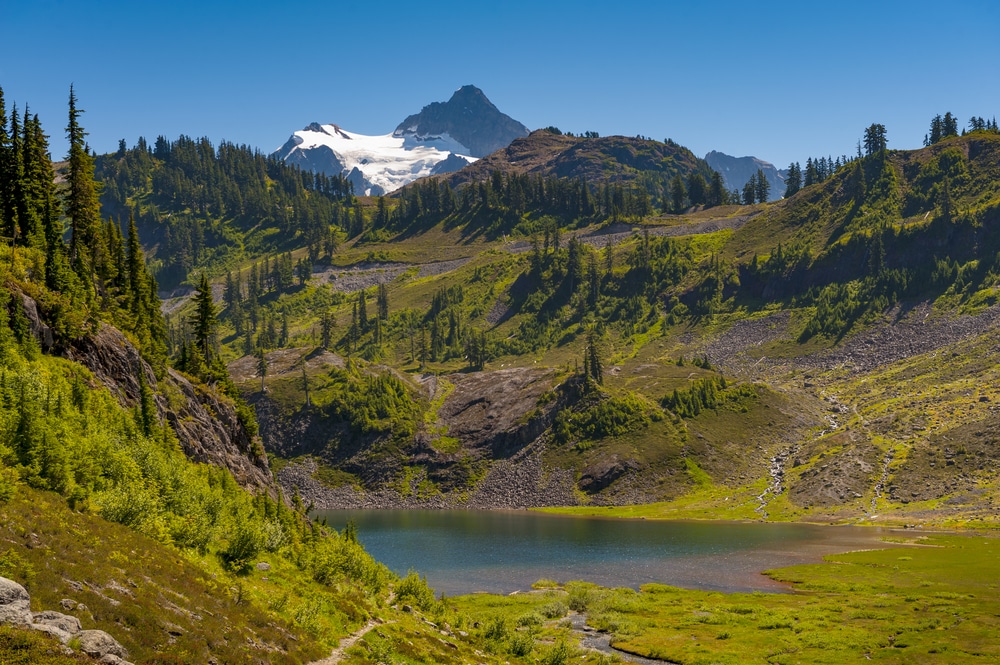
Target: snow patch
x=386 y=162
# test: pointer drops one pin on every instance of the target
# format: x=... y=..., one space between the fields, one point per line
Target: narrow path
x=346 y=643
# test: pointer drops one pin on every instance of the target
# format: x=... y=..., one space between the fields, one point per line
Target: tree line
x=199 y=203
x=92 y=268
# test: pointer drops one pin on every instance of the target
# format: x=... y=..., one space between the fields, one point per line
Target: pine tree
x=383 y=302
x=593 y=360
x=697 y=189
x=7 y=178
x=677 y=193
x=793 y=181
x=944 y=200
x=204 y=322
x=875 y=141
x=750 y=190
x=362 y=310
x=762 y=189
x=716 y=190
x=82 y=205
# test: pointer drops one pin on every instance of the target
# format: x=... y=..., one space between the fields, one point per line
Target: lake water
x=501 y=552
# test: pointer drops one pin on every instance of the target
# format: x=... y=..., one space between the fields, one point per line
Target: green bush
x=8 y=482
x=521 y=644
x=413 y=588
x=245 y=543
x=611 y=416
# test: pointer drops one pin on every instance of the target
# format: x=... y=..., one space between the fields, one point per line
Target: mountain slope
x=374 y=165
x=865 y=273
x=468 y=117
x=737 y=171
x=443 y=137
x=617 y=159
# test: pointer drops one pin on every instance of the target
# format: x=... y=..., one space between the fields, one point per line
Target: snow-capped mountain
x=442 y=138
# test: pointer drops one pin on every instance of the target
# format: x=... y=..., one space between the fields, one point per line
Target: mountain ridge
x=442 y=137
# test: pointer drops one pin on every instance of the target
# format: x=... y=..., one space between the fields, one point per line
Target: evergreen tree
x=592 y=361
x=949 y=126
x=944 y=200
x=327 y=323
x=82 y=206
x=697 y=189
x=793 y=181
x=875 y=141
x=362 y=310
x=677 y=193
x=204 y=322
x=762 y=189
x=7 y=177
x=750 y=190
x=383 y=302
x=716 y=190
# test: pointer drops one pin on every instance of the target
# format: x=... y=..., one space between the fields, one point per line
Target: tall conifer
x=82 y=206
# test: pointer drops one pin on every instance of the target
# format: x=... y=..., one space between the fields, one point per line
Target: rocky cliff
x=206 y=423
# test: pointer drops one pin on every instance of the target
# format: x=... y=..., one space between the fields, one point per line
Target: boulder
x=63 y=622
x=111 y=659
x=60 y=635
x=98 y=644
x=15 y=603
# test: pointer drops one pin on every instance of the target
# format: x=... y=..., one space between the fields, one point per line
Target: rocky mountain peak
x=470 y=118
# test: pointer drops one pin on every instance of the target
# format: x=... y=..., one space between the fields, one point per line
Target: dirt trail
x=346 y=643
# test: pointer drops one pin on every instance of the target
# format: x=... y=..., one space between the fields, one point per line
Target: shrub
x=8 y=482
x=414 y=588
x=245 y=543
x=521 y=644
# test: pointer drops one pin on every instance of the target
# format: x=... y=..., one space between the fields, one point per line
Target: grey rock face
x=206 y=424
x=736 y=172
x=469 y=118
x=15 y=603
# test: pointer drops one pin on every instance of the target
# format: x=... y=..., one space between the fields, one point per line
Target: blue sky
x=779 y=80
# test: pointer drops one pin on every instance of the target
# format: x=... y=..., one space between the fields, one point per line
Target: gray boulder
x=111 y=659
x=63 y=622
x=97 y=644
x=15 y=603
x=60 y=635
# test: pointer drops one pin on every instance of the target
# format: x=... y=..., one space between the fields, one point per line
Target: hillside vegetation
x=643 y=357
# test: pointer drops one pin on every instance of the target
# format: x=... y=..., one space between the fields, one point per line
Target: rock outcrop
x=15 y=609
x=206 y=423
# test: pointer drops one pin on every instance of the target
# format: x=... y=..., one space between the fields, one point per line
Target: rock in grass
x=63 y=622
x=97 y=644
x=15 y=603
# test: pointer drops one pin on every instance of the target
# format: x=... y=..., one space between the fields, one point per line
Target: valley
x=203 y=349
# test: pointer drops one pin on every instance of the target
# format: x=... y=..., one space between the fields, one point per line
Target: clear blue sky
x=779 y=80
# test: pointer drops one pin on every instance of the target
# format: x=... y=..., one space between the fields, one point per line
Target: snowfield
x=387 y=162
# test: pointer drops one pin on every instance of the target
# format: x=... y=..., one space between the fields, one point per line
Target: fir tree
x=382 y=302
x=762 y=188
x=677 y=193
x=82 y=205
x=793 y=181
x=204 y=322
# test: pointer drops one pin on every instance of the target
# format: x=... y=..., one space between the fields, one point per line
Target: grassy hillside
x=703 y=326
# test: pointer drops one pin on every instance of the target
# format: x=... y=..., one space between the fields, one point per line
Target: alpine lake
x=501 y=552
